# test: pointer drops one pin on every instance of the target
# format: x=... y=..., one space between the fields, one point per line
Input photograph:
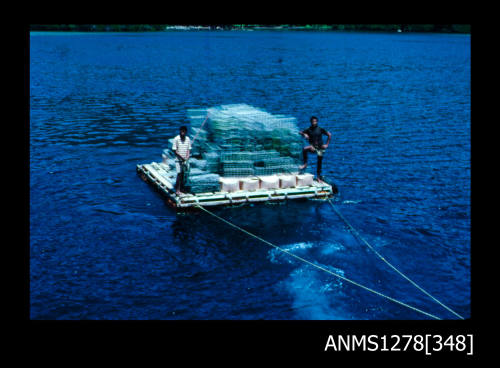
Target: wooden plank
x=159 y=177
x=165 y=174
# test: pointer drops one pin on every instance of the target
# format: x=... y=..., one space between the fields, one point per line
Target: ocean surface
x=104 y=245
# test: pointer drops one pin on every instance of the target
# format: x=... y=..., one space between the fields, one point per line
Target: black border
x=189 y=340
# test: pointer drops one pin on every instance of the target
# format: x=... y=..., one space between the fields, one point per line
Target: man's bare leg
x=304 y=153
x=320 y=162
x=178 y=184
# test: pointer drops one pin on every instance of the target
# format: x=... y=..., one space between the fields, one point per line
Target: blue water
x=104 y=245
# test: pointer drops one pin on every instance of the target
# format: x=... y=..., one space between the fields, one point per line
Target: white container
x=287 y=181
x=305 y=180
x=269 y=182
x=229 y=185
x=249 y=184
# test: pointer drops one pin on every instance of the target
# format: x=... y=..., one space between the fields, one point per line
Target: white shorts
x=178 y=166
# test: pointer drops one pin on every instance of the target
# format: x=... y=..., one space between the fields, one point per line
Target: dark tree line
x=440 y=28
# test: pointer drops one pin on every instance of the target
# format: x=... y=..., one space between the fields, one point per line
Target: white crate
x=229 y=184
x=269 y=182
x=287 y=181
x=304 y=180
x=250 y=184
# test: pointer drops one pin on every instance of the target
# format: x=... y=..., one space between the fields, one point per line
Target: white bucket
x=305 y=180
x=287 y=181
x=229 y=185
x=249 y=184
x=269 y=182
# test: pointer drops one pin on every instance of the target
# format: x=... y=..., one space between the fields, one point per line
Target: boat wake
x=314 y=293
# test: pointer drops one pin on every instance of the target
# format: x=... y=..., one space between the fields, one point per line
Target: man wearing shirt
x=314 y=134
x=181 y=147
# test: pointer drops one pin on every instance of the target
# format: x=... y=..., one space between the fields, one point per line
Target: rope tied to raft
x=319 y=267
x=358 y=236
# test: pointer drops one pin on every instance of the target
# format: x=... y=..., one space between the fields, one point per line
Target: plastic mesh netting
x=240 y=140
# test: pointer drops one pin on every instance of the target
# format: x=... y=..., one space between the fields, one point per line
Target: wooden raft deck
x=158 y=175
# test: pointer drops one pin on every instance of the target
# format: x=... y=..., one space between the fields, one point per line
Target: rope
x=358 y=236
x=201 y=127
x=319 y=267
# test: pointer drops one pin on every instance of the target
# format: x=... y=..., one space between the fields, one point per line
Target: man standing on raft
x=315 y=136
x=181 y=147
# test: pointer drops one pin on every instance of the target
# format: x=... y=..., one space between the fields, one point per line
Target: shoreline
x=137 y=28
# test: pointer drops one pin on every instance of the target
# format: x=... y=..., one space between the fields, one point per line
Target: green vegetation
x=439 y=28
x=98 y=27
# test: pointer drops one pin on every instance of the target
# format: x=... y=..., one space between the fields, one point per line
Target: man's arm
x=179 y=156
x=304 y=134
x=328 y=140
x=188 y=154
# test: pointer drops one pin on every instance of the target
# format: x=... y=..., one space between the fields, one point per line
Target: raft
x=292 y=187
